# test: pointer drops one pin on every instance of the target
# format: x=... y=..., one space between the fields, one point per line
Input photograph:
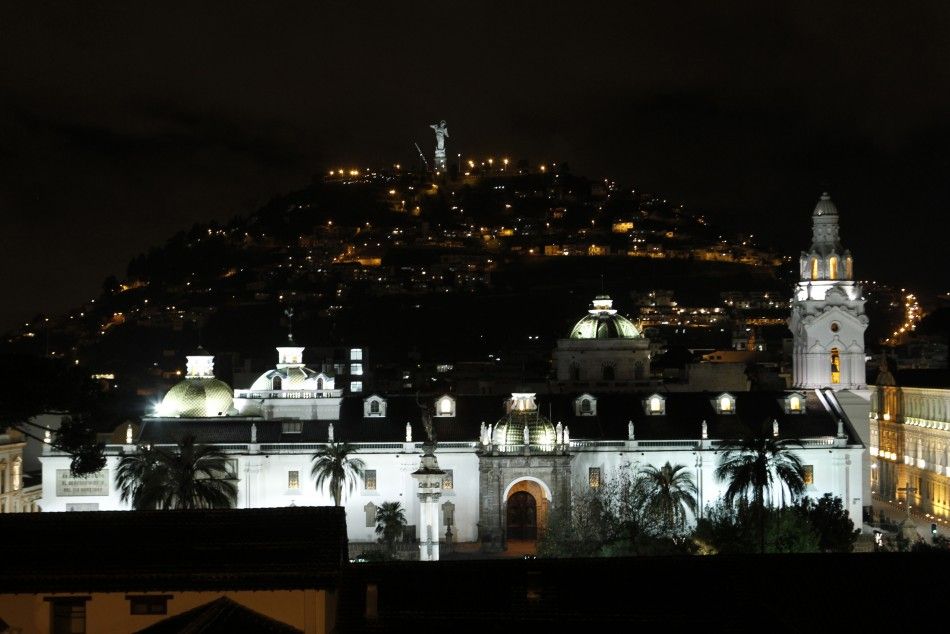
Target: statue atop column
x=441 y=132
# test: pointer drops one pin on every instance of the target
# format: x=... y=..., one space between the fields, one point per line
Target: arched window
x=795 y=403
x=814 y=268
x=608 y=372
x=585 y=406
x=835 y=366
x=277 y=383
x=725 y=403
x=374 y=407
x=849 y=268
x=320 y=383
x=833 y=268
x=445 y=406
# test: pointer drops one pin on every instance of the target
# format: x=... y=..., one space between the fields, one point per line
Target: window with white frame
x=293 y=480
x=795 y=403
x=356 y=369
x=356 y=387
x=374 y=407
x=369 y=479
x=726 y=403
x=356 y=354
x=656 y=405
x=585 y=405
x=292 y=427
x=445 y=407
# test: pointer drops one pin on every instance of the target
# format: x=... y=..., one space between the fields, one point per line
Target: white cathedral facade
x=504 y=464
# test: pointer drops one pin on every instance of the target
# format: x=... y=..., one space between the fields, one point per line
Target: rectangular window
x=293 y=480
x=356 y=354
x=292 y=427
x=809 y=474
x=68 y=615
x=356 y=386
x=448 y=481
x=593 y=477
x=232 y=469
x=369 y=479
x=148 y=604
x=356 y=369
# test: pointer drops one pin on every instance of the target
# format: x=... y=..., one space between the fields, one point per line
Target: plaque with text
x=68 y=485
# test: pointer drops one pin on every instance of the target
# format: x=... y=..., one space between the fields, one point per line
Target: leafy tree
x=333 y=464
x=669 y=495
x=734 y=529
x=828 y=518
x=390 y=521
x=755 y=467
x=607 y=521
x=191 y=477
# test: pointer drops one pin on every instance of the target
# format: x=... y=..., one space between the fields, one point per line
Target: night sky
x=121 y=125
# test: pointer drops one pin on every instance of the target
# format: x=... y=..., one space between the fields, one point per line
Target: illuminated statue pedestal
x=440 y=163
x=429 y=477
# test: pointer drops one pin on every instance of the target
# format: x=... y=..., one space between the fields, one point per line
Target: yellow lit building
x=14 y=496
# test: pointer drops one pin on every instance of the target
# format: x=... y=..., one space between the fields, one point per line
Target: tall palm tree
x=668 y=494
x=334 y=464
x=390 y=520
x=191 y=477
x=755 y=467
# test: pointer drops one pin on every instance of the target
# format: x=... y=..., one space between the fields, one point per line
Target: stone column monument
x=429 y=477
x=441 y=132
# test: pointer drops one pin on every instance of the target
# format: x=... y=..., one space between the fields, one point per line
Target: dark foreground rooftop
x=771 y=593
x=246 y=549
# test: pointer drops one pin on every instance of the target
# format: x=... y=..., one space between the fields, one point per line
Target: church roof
x=682 y=420
x=198 y=396
x=209 y=550
x=825 y=206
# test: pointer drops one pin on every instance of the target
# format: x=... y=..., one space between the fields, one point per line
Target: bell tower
x=827 y=320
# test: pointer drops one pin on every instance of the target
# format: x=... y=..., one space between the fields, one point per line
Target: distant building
x=604 y=351
x=16 y=494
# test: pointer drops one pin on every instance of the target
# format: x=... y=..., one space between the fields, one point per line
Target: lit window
x=725 y=403
x=833 y=268
x=585 y=405
x=369 y=479
x=808 y=474
x=356 y=354
x=356 y=386
x=15 y=475
x=448 y=483
x=814 y=268
x=593 y=477
x=445 y=406
x=148 y=605
x=795 y=403
x=835 y=366
x=356 y=369
x=656 y=405
x=293 y=480
x=292 y=427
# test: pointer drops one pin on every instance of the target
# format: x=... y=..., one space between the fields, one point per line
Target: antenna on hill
x=422 y=155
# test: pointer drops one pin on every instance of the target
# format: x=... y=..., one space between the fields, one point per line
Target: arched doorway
x=522 y=516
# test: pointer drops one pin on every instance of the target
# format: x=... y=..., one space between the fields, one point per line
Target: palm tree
x=390 y=520
x=755 y=467
x=333 y=464
x=191 y=477
x=668 y=493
